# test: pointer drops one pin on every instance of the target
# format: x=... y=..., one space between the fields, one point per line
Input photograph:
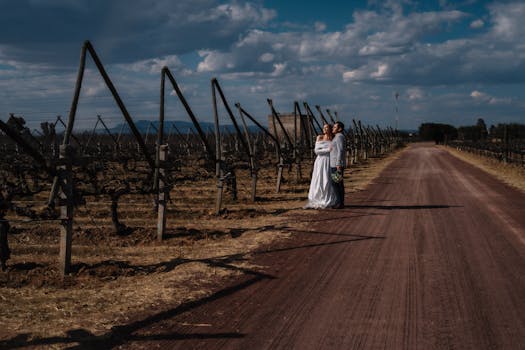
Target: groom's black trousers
x=339 y=188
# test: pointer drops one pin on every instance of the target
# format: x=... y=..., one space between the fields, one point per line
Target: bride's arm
x=322 y=147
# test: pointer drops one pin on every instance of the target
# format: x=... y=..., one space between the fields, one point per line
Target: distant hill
x=183 y=127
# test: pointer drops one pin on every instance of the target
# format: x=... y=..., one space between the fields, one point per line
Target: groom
x=337 y=162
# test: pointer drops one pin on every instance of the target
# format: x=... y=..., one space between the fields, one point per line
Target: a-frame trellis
x=295 y=146
x=61 y=170
x=224 y=171
x=162 y=149
x=253 y=165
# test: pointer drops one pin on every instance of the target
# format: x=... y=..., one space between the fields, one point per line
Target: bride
x=321 y=194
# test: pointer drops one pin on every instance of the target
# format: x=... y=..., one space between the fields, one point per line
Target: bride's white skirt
x=321 y=194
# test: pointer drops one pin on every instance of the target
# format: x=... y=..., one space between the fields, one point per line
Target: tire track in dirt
x=429 y=256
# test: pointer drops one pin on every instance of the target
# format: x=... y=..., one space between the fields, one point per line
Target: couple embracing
x=327 y=186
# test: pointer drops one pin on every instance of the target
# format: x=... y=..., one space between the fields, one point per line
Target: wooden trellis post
x=253 y=165
x=219 y=174
x=254 y=176
x=280 y=157
x=288 y=143
x=65 y=178
x=225 y=171
x=253 y=170
x=163 y=193
x=280 y=167
x=295 y=153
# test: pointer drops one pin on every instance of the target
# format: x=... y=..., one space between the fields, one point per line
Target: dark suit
x=338 y=158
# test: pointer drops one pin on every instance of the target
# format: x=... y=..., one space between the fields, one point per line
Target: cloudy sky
x=446 y=61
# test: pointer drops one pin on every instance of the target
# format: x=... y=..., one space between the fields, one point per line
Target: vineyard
x=66 y=186
x=510 y=151
x=502 y=142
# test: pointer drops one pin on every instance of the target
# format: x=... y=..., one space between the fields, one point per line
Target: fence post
x=163 y=193
x=65 y=177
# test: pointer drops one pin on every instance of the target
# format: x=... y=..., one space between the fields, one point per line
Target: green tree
x=482 y=127
x=439 y=133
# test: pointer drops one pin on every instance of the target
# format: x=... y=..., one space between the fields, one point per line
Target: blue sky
x=449 y=61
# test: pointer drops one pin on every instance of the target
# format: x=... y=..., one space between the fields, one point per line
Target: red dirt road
x=430 y=256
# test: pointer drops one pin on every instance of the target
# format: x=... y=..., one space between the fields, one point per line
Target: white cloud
x=278 y=46
x=381 y=72
x=257 y=89
x=234 y=12
x=477 y=24
x=94 y=90
x=416 y=107
x=491 y=100
x=154 y=65
x=415 y=94
x=396 y=34
x=266 y=57
x=252 y=38
x=385 y=36
x=508 y=21
x=373 y=71
x=279 y=69
x=500 y=101
x=377 y=49
x=214 y=61
x=352 y=75
x=477 y=95
x=320 y=26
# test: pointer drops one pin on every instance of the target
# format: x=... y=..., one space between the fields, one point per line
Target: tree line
x=441 y=133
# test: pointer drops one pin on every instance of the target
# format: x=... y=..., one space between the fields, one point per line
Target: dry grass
x=513 y=175
x=115 y=282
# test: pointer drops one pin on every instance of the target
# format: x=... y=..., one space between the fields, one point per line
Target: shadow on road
x=401 y=207
x=315 y=245
x=118 y=335
x=344 y=216
x=357 y=236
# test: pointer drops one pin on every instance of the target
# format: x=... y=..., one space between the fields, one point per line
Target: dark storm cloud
x=125 y=31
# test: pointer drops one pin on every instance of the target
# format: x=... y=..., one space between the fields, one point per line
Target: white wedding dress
x=321 y=194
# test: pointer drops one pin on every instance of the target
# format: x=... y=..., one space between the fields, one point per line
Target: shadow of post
x=118 y=335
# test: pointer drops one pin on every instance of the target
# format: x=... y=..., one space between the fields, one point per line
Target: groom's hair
x=341 y=125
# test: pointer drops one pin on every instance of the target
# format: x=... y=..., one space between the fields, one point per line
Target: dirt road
x=430 y=256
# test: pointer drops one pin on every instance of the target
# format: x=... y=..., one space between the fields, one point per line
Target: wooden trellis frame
x=313 y=119
x=162 y=153
x=61 y=171
x=223 y=171
x=253 y=165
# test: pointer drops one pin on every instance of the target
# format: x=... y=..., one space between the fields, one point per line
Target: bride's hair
x=329 y=132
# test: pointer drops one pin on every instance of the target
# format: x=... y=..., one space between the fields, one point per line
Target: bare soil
x=119 y=278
